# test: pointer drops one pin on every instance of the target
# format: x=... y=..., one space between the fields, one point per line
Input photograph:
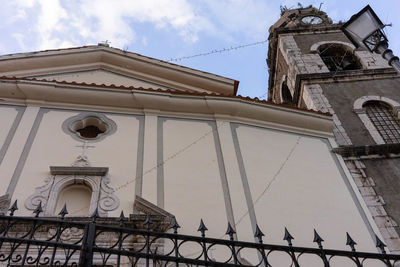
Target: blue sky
x=168 y=29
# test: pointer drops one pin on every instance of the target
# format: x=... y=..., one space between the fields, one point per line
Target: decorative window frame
x=103 y=197
x=362 y=114
x=315 y=47
x=68 y=126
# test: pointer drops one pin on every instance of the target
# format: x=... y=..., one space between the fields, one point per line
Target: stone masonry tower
x=313 y=65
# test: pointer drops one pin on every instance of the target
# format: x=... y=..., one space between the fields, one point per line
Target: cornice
x=84 y=58
x=341 y=76
x=139 y=100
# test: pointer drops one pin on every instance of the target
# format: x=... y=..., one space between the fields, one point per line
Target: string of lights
x=217 y=51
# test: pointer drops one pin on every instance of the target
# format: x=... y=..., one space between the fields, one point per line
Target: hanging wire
x=266 y=188
x=172 y=156
x=217 y=51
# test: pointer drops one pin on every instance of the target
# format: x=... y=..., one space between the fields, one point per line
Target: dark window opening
x=382 y=117
x=90 y=131
x=337 y=58
x=286 y=95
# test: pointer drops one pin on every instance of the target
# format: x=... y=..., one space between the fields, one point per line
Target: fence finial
x=95 y=215
x=147 y=222
x=122 y=218
x=230 y=231
x=175 y=225
x=202 y=228
x=259 y=234
x=288 y=237
x=317 y=239
x=13 y=208
x=350 y=242
x=38 y=209
x=63 y=211
x=380 y=244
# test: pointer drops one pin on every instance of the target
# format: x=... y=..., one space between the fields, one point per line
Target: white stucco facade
x=220 y=159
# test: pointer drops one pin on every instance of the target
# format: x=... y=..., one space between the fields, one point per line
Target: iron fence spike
x=92 y=233
x=318 y=239
x=38 y=209
x=230 y=231
x=202 y=228
x=259 y=234
x=147 y=222
x=350 y=242
x=380 y=244
x=288 y=237
x=95 y=214
x=175 y=225
x=63 y=211
x=122 y=217
x=13 y=208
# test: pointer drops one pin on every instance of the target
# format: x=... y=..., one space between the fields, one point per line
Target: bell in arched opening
x=337 y=57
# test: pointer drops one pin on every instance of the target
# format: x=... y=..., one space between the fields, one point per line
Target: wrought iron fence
x=38 y=241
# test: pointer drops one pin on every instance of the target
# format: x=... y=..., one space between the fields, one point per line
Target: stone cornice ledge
x=91 y=97
x=368 y=150
x=72 y=170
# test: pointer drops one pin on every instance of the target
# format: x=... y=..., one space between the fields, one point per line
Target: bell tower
x=313 y=65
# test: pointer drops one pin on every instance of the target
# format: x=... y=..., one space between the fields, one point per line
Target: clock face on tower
x=311 y=20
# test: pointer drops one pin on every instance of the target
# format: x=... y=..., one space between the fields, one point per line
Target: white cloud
x=86 y=21
x=58 y=23
x=20 y=40
x=49 y=22
x=114 y=20
x=248 y=18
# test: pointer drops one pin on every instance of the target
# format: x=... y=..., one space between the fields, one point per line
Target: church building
x=104 y=130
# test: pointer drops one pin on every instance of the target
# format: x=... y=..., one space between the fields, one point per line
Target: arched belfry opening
x=337 y=57
x=286 y=94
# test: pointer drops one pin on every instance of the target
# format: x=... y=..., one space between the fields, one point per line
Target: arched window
x=77 y=198
x=380 y=115
x=286 y=94
x=384 y=120
x=338 y=57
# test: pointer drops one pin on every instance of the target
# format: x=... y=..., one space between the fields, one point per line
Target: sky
x=172 y=29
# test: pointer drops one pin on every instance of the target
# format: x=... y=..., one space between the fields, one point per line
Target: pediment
x=106 y=65
x=146 y=207
x=101 y=76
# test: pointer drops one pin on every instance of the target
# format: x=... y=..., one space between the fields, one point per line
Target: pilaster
x=146 y=186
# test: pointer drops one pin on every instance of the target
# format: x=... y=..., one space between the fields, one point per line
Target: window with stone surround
x=380 y=116
x=89 y=126
x=338 y=57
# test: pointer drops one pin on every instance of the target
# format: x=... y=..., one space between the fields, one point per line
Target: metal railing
x=38 y=241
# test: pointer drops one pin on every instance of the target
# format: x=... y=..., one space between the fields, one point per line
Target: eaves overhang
x=68 y=95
